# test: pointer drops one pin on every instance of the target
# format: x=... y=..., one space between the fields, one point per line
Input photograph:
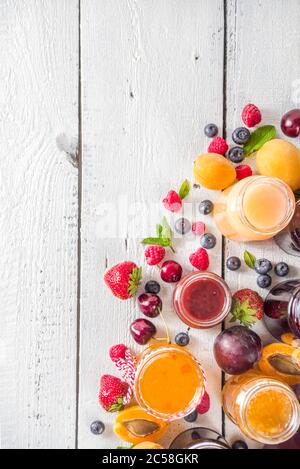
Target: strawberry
x=117 y=351
x=204 y=404
x=112 y=393
x=123 y=279
x=247 y=307
x=199 y=259
x=172 y=201
x=154 y=254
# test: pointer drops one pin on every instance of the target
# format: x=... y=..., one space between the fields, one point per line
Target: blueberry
x=182 y=226
x=236 y=154
x=211 y=130
x=239 y=444
x=262 y=266
x=205 y=207
x=152 y=287
x=191 y=417
x=233 y=263
x=281 y=269
x=182 y=339
x=208 y=241
x=241 y=135
x=264 y=281
x=97 y=427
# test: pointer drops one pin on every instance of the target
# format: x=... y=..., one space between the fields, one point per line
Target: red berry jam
x=202 y=299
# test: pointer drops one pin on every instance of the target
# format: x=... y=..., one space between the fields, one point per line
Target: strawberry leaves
x=242 y=312
x=164 y=235
x=117 y=406
x=134 y=280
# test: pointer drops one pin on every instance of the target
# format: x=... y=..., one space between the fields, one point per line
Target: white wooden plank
x=152 y=75
x=38 y=96
x=263 y=66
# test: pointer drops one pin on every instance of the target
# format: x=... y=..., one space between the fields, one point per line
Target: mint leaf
x=157 y=241
x=184 y=189
x=249 y=259
x=259 y=137
x=166 y=231
x=125 y=447
x=159 y=230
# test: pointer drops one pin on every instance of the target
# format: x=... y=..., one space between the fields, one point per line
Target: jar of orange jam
x=255 y=208
x=265 y=409
x=169 y=382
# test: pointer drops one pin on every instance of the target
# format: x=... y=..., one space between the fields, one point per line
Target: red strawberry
x=117 y=351
x=172 y=201
x=199 y=259
x=204 y=404
x=123 y=279
x=247 y=307
x=218 y=145
x=154 y=254
x=198 y=228
x=112 y=393
x=251 y=115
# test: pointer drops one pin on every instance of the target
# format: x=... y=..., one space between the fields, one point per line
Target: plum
x=237 y=349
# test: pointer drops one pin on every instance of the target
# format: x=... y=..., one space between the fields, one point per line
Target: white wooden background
x=102 y=107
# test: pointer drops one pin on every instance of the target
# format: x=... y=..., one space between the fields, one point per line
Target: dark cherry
x=150 y=305
x=142 y=330
x=171 y=272
x=290 y=123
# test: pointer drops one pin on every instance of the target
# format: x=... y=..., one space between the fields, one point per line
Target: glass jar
x=199 y=438
x=289 y=238
x=282 y=312
x=202 y=299
x=265 y=409
x=255 y=208
x=169 y=381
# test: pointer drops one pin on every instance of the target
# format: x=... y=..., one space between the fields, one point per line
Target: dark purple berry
x=152 y=287
x=182 y=339
x=97 y=427
x=182 y=226
x=233 y=263
x=211 y=130
x=241 y=135
x=236 y=154
x=206 y=207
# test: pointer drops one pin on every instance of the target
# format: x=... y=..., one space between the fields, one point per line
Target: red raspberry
x=243 y=171
x=172 y=202
x=198 y=228
x=204 y=404
x=154 y=254
x=251 y=115
x=218 y=145
x=199 y=259
x=117 y=351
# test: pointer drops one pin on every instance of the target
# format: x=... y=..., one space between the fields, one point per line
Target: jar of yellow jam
x=169 y=382
x=265 y=409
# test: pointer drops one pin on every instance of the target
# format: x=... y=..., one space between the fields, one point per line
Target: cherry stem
x=172 y=249
x=166 y=327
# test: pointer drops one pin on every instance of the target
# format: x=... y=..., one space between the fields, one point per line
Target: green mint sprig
x=164 y=235
x=249 y=259
x=184 y=189
x=258 y=138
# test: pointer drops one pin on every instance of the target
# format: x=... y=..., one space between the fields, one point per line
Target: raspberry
x=243 y=171
x=204 y=404
x=218 y=145
x=117 y=351
x=251 y=115
x=172 y=201
x=154 y=254
x=198 y=228
x=199 y=259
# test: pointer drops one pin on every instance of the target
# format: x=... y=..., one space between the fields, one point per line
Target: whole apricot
x=281 y=159
x=213 y=171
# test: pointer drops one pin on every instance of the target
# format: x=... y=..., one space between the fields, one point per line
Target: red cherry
x=290 y=123
x=142 y=330
x=171 y=271
x=243 y=171
x=150 y=304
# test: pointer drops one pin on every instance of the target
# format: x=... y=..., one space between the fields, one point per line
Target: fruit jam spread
x=202 y=299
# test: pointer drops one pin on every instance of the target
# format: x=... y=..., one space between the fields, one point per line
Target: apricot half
x=281 y=159
x=282 y=362
x=135 y=425
x=214 y=171
x=148 y=445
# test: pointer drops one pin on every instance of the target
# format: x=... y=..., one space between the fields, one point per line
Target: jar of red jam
x=202 y=300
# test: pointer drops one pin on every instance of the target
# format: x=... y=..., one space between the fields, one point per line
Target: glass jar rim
x=149 y=354
x=290 y=205
x=259 y=384
x=293 y=313
x=187 y=280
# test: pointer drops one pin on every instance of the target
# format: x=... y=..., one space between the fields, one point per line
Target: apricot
x=281 y=159
x=281 y=361
x=214 y=171
x=148 y=445
x=135 y=425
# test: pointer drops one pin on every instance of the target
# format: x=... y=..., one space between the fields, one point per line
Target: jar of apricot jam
x=202 y=300
x=264 y=408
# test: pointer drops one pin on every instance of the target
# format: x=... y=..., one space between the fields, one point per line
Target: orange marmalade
x=264 y=408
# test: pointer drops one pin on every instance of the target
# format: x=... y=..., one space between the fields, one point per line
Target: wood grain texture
x=263 y=67
x=152 y=77
x=39 y=203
